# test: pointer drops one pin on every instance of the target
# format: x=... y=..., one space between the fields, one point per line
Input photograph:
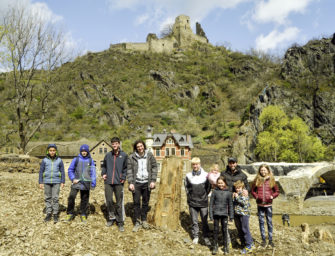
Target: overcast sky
x=267 y=25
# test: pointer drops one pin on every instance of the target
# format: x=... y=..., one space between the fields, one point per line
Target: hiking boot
x=215 y=249
x=56 y=219
x=69 y=217
x=121 y=228
x=145 y=224
x=136 y=227
x=263 y=244
x=110 y=222
x=48 y=217
x=207 y=242
x=196 y=240
x=271 y=244
x=83 y=218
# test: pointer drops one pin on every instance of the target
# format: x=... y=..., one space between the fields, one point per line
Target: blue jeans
x=243 y=220
x=265 y=211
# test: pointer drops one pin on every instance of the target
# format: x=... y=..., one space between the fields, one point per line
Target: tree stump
x=167 y=208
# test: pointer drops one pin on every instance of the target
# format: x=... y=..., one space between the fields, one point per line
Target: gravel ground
x=23 y=232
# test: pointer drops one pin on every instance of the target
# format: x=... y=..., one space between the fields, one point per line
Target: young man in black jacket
x=114 y=172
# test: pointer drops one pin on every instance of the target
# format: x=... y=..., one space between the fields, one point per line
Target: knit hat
x=52 y=146
x=85 y=147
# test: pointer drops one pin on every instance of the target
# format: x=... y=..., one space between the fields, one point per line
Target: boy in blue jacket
x=51 y=178
x=82 y=174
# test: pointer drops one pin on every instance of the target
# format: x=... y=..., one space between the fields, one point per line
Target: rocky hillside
x=307 y=89
x=206 y=91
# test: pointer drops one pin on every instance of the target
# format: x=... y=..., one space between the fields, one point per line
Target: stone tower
x=182 y=30
x=149 y=139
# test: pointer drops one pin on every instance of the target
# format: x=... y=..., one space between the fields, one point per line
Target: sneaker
x=196 y=240
x=145 y=224
x=207 y=242
x=247 y=249
x=271 y=244
x=48 y=217
x=83 y=218
x=226 y=250
x=56 y=219
x=121 y=228
x=136 y=227
x=69 y=217
x=110 y=222
x=215 y=249
x=263 y=244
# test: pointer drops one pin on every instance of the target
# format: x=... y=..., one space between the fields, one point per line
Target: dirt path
x=22 y=231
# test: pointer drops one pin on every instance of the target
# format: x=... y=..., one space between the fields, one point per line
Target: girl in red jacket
x=264 y=190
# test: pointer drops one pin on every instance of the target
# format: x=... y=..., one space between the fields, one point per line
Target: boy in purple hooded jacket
x=82 y=174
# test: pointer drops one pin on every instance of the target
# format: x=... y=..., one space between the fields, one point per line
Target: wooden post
x=167 y=208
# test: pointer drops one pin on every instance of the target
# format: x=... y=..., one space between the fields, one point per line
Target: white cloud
x=141 y=19
x=277 y=11
x=275 y=38
x=158 y=11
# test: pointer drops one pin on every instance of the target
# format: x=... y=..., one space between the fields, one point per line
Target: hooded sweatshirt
x=51 y=169
x=83 y=169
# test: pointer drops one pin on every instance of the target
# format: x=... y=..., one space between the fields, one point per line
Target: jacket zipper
x=113 y=169
x=52 y=169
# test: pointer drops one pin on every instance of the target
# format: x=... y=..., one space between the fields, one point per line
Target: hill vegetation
x=205 y=91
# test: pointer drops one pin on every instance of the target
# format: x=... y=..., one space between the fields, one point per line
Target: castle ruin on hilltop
x=180 y=37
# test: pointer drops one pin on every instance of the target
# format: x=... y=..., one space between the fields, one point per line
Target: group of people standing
x=229 y=201
x=229 y=192
x=140 y=168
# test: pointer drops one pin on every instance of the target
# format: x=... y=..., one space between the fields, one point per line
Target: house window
x=169 y=141
x=181 y=139
x=100 y=150
x=105 y=150
x=173 y=151
x=157 y=140
x=158 y=152
x=182 y=152
x=167 y=152
x=11 y=150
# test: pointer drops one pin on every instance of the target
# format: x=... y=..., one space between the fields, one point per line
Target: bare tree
x=32 y=49
x=166 y=30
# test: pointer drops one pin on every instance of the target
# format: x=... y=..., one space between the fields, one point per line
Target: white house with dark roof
x=170 y=144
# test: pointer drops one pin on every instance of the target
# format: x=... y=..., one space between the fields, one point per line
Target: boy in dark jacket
x=142 y=175
x=82 y=174
x=197 y=188
x=51 y=178
x=220 y=208
x=114 y=173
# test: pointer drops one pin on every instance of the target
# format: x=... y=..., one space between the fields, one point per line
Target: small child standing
x=242 y=211
x=213 y=175
x=82 y=174
x=264 y=190
x=51 y=178
x=220 y=208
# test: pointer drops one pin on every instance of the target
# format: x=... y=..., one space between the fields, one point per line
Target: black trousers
x=84 y=198
x=141 y=190
x=224 y=227
x=114 y=211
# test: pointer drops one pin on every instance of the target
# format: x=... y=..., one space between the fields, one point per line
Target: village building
x=169 y=144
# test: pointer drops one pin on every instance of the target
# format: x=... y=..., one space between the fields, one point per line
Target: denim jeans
x=265 y=211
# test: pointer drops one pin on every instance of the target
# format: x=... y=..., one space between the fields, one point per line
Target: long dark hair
x=139 y=141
